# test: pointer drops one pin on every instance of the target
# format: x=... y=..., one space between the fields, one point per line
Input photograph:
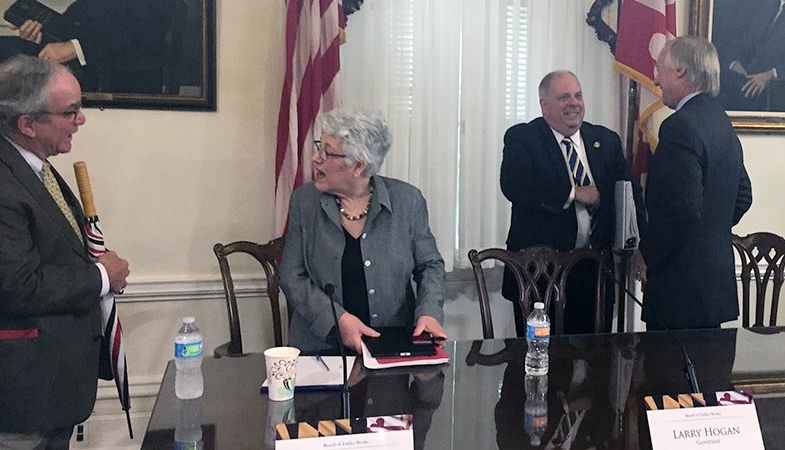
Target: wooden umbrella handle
x=85 y=190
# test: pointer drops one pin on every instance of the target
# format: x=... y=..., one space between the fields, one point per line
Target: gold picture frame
x=736 y=29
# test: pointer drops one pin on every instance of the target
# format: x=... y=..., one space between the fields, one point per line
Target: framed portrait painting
x=750 y=39
x=142 y=54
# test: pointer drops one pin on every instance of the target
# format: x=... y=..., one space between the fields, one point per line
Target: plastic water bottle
x=188 y=428
x=188 y=382
x=535 y=420
x=538 y=336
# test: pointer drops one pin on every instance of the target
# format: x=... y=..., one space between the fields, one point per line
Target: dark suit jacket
x=535 y=179
x=124 y=42
x=697 y=190
x=767 y=52
x=757 y=41
x=50 y=320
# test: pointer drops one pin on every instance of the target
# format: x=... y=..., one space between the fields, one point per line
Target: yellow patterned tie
x=50 y=182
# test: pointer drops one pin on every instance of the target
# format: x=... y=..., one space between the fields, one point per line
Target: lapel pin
x=596 y=144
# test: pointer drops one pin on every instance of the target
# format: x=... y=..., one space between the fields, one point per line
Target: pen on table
x=319 y=358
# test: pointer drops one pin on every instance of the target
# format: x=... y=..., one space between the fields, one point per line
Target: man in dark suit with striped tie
x=559 y=172
x=697 y=190
x=50 y=317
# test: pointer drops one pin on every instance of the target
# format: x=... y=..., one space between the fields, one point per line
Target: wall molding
x=194 y=289
x=212 y=288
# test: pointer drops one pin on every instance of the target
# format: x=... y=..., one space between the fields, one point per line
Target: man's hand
x=757 y=83
x=31 y=31
x=352 y=330
x=116 y=269
x=588 y=195
x=640 y=266
x=430 y=325
x=60 y=52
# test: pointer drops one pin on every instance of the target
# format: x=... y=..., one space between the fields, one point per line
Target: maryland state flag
x=644 y=27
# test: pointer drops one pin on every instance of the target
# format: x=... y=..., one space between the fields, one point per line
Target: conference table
x=596 y=386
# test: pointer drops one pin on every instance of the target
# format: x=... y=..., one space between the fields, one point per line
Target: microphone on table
x=689 y=368
x=329 y=289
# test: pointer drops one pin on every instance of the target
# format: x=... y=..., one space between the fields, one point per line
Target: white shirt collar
x=686 y=98
x=576 y=138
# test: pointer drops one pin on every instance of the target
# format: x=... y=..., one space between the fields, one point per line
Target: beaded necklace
x=358 y=216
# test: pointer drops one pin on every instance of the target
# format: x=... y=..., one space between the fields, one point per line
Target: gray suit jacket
x=50 y=320
x=397 y=247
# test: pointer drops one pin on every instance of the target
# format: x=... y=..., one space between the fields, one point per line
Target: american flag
x=314 y=30
x=644 y=27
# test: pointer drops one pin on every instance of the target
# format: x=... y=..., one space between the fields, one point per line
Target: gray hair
x=699 y=59
x=24 y=82
x=545 y=84
x=364 y=136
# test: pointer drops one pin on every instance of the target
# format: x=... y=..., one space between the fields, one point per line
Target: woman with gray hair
x=363 y=235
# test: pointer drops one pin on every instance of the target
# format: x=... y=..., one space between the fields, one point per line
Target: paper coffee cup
x=281 y=372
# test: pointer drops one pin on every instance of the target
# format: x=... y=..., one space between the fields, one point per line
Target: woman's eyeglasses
x=324 y=154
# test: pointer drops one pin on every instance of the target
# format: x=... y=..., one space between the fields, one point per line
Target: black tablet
x=398 y=341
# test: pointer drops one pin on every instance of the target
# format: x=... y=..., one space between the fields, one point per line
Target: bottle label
x=538 y=333
x=534 y=421
x=192 y=350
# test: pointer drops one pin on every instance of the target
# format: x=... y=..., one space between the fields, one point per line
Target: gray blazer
x=397 y=246
x=50 y=318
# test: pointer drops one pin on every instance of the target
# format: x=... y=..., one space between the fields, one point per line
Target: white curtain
x=451 y=76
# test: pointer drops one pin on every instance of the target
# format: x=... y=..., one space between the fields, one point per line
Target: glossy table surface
x=596 y=386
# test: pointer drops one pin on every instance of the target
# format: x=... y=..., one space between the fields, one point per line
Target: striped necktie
x=576 y=166
x=50 y=182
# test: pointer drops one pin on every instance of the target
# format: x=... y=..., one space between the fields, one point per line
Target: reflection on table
x=595 y=390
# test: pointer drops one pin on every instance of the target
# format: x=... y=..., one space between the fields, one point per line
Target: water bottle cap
x=539 y=305
x=189 y=319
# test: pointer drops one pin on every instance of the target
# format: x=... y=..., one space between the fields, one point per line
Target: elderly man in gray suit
x=50 y=318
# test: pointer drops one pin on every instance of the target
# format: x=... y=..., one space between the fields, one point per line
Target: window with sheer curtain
x=451 y=76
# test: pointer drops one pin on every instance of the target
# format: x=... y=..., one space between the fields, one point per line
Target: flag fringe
x=640 y=78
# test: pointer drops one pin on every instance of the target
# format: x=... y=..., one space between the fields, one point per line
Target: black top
x=355 y=293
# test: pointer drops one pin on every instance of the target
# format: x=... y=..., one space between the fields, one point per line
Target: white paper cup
x=281 y=372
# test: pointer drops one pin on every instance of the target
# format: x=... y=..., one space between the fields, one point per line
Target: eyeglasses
x=324 y=154
x=69 y=114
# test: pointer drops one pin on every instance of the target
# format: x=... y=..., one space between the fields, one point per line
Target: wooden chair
x=541 y=273
x=762 y=259
x=267 y=255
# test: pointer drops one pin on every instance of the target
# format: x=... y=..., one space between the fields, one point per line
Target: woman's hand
x=352 y=330
x=430 y=325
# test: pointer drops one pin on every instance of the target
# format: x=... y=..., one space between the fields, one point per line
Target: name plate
x=723 y=420
x=386 y=432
